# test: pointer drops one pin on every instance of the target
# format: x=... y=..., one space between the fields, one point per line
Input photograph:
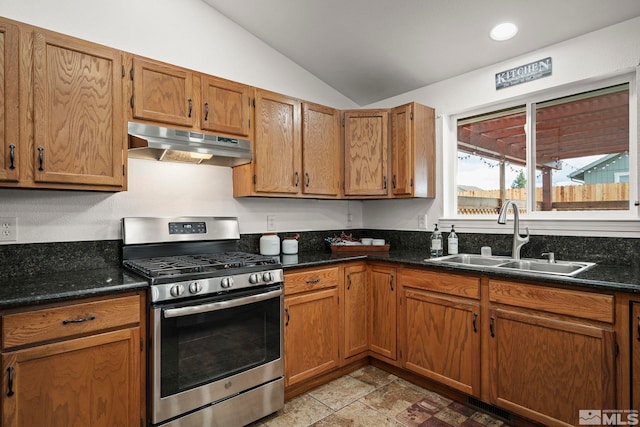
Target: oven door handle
x=204 y=308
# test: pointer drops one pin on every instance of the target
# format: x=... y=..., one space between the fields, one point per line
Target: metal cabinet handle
x=384 y=182
x=491 y=320
x=393 y=182
x=41 y=158
x=391 y=282
x=349 y=280
x=84 y=319
x=297 y=175
x=12 y=155
x=311 y=281
x=206 y=111
x=638 y=337
x=190 y=106
x=475 y=326
x=286 y=310
x=306 y=174
x=10 y=392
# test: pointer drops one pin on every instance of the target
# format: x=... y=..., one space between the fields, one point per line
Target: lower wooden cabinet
x=312 y=324
x=635 y=355
x=549 y=369
x=441 y=327
x=382 y=311
x=551 y=352
x=442 y=339
x=79 y=379
x=356 y=315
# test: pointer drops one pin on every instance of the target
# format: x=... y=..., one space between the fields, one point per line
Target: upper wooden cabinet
x=9 y=60
x=413 y=152
x=366 y=153
x=171 y=95
x=321 y=158
x=78 y=126
x=226 y=106
x=61 y=113
x=162 y=93
x=277 y=146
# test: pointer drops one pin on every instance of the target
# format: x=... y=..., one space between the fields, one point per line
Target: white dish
x=367 y=241
x=378 y=242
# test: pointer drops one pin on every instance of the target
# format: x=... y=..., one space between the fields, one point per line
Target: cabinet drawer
x=585 y=305
x=59 y=322
x=310 y=279
x=446 y=283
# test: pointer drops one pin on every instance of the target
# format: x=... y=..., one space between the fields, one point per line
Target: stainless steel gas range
x=215 y=319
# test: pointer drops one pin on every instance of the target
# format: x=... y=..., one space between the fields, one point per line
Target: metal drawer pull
x=475 y=318
x=286 y=310
x=12 y=155
x=491 y=320
x=206 y=111
x=297 y=176
x=313 y=281
x=84 y=319
x=190 y=106
x=308 y=179
x=10 y=381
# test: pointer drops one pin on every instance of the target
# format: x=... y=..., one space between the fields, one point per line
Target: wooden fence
x=610 y=196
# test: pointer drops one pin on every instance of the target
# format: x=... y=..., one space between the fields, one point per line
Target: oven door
x=210 y=349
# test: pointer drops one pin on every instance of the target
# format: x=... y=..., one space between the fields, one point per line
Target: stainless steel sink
x=473 y=259
x=560 y=268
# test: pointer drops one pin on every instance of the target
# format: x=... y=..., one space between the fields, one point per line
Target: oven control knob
x=195 y=287
x=267 y=277
x=253 y=279
x=177 y=290
x=226 y=282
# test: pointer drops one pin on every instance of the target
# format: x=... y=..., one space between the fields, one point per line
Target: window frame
x=541 y=222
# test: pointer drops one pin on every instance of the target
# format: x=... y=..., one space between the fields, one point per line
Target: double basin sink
x=561 y=268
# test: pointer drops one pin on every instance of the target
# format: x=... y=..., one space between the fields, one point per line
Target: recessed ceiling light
x=503 y=31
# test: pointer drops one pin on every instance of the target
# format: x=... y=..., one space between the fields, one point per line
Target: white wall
x=191 y=34
x=599 y=54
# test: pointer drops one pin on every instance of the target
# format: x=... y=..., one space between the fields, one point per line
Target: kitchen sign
x=524 y=73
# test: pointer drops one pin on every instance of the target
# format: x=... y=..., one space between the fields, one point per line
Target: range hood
x=174 y=145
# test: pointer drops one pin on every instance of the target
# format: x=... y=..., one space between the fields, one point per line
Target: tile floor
x=370 y=397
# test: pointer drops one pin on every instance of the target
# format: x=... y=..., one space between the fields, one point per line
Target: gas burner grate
x=200 y=263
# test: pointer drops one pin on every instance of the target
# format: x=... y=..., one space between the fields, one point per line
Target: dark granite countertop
x=603 y=277
x=47 y=288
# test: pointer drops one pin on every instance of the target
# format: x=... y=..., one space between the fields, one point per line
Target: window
x=574 y=158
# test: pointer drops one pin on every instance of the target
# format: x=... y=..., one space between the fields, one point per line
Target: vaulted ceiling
x=371 y=50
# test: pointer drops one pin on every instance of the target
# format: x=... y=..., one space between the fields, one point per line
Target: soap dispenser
x=436 y=243
x=452 y=242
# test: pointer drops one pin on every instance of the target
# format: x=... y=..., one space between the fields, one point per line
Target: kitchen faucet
x=518 y=241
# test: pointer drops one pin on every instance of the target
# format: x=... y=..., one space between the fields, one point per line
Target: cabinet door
x=366 y=153
x=547 y=369
x=441 y=339
x=311 y=334
x=382 y=311
x=78 y=120
x=91 y=381
x=320 y=150
x=401 y=150
x=9 y=61
x=226 y=106
x=635 y=355
x=356 y=324
x=277 y=144
x=162 y=93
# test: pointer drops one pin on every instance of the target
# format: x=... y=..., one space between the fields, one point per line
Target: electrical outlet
x=349 y=217
x=271 y=223
x=422 y=222
x=8 y=230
